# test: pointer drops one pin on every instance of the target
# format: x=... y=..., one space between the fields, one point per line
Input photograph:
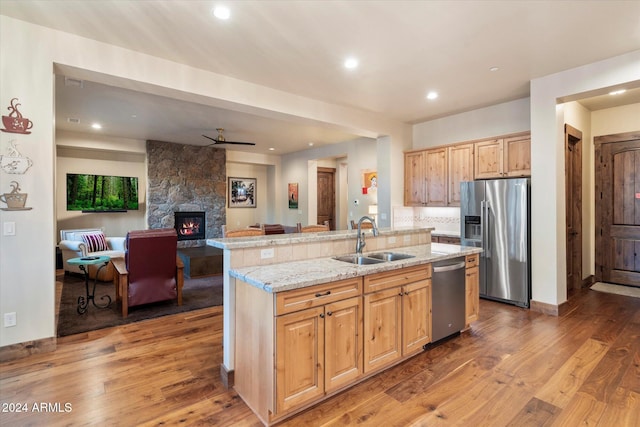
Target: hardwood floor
x=514 y=367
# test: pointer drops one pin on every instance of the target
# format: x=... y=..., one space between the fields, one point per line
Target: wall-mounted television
x=101 y=193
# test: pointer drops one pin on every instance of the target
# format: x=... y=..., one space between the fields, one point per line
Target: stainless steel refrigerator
x=495 y=215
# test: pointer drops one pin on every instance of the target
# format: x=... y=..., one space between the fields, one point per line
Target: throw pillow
x=95 y=242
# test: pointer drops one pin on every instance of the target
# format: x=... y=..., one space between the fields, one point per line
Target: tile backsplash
x=444 y=220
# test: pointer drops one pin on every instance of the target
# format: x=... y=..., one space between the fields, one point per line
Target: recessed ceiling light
x=311 y=144
x=271 y=149
x=492 y=69
x=73 y=120
x=221 y=12
x=351 y=63
x=432 y=95
x=96 y=126
x=617 y=92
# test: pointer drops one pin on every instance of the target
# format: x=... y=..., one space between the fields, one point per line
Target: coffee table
x=83 y=264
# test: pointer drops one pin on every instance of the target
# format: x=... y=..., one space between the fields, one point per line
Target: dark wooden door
x=327 y=196
x=573 y=179
x=618 y=208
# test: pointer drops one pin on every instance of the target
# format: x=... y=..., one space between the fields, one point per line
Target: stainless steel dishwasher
x=447 y=297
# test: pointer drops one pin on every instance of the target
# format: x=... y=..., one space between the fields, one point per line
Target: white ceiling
x=405 y=49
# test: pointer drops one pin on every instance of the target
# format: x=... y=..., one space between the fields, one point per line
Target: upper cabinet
x=433 y=176
x=504 y=157
x=460 y=169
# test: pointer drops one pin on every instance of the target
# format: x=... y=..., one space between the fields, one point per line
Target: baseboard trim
x=227 y=376
x=25 y=349
x=549 y=309
x=588 y=281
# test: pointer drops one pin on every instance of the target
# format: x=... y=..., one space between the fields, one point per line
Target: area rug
x=629 y=291
x=196 y=294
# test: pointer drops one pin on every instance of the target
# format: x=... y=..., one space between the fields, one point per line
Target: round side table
x=83 y=263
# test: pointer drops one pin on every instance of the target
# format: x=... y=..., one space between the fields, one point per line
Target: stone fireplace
x=190 y=225
x=186 y=179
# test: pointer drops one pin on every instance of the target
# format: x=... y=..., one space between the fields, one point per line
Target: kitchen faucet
x=360 y=243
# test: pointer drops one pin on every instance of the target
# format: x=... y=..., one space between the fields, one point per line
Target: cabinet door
x=416 y=316
x=414 y=179
x=436 y=167
x=517 y=155
x=343 y=343
x=488 y=159
x=472 y=297
x=382 y=328
x=299 y=358
x=460 y=169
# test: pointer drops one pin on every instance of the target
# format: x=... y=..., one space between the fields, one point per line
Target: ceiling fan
x=220 y=139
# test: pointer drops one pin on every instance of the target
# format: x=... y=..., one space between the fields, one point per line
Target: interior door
x=573 y=180
x=327 y=196
x=618 y=208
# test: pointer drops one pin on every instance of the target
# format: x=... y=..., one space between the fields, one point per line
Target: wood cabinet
x=472 y=289
x=517 y=155
x=503 y=157
x=460 y=159
x=397 y=315
x=425 y=178
x=294 y=347
x=433 y=176
x=415 y=179
x=445 y=239
x=317 y=350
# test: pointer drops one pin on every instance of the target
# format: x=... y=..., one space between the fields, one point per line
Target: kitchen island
x=306 y=328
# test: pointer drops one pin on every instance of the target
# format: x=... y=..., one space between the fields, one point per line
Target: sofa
x=90 y=242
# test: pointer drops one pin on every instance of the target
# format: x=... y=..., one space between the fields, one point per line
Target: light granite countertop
x=299 y=274
x=290 y=238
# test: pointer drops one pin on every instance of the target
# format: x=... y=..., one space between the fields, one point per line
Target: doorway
x=326 y=196
x=618 y=208
x=573 y=180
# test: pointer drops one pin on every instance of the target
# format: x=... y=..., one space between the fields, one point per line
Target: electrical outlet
x=407 y=238
x=266 y=253
x=10 y=319
x=392 y=239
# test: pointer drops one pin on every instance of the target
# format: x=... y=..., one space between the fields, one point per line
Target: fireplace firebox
x=190 y=225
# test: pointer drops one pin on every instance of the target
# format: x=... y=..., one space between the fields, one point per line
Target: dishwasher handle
x=449 y=267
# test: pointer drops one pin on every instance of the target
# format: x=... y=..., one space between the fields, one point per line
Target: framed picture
x=242 y=192
x=369 y=182
x=293 y=195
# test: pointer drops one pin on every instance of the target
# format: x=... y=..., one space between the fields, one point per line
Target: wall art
x=14 y=162
x=15 y=122
x=15 y=200
x=242 y=192
x=293 y=195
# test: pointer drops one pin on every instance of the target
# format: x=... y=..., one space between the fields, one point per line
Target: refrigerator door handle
x=487 y=210
x=483 y=219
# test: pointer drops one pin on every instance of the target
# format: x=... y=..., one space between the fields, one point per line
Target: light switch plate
x=9 y=228
x=10 y=319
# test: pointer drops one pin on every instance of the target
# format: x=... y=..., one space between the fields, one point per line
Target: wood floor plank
x=559 y=390
x=581 y=410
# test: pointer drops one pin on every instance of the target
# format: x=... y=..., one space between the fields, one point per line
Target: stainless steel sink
x=358 y=259
x=390 y=256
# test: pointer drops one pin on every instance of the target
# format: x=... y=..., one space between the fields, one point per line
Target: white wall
x=547 y=164
x=80 y=153
x=300 y=167
x=499 y=119
x=243 y=217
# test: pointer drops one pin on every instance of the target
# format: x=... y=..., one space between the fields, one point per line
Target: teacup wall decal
x=15 y=200
x=15 y=122
x=14 y=162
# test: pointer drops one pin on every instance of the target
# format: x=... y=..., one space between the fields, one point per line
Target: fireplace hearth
x=190 y=225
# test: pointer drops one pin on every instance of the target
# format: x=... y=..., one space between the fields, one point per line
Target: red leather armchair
x=151 y=270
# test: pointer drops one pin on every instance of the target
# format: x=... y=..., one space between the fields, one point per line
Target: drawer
x=313 y=296
x=390 y=279
x=472 y=260
x=449 y=240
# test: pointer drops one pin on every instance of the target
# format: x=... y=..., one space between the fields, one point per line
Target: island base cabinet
x=299 y=358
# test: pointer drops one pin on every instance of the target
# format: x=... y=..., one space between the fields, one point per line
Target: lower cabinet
x=472 y=289
x=397 y=319
x=317 y=350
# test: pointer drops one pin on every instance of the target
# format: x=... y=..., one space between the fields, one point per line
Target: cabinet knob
x=329 y=313
x=322 y=315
